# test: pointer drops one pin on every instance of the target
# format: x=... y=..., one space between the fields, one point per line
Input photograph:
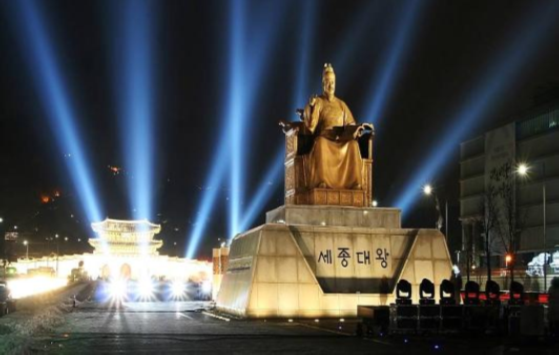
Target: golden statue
x=335 y=161
x=328 y=157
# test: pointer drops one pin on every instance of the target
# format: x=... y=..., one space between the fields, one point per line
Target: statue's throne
x=298 y=144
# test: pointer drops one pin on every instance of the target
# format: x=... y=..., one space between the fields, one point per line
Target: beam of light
x=381 y=89
x=242 y=90
x=137 y=130
x=236 y=111
x=264 y=193
x=497 y=77
x=246 y=76
x=275 y=170
x=308 y=19
x=353 y=39
x=217 y=175
x=56 y=102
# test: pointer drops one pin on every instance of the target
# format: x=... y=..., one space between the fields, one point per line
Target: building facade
x=532 y=138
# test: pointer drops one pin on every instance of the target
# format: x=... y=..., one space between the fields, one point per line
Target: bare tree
x=510 y=222
x=489 y=217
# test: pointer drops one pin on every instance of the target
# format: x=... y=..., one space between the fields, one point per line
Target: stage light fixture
x=497 y=77
x=57 y=103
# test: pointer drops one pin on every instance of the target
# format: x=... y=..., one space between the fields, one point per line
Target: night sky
x=451 y=51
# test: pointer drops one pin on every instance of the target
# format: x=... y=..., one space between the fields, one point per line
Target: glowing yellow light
x=35 y=285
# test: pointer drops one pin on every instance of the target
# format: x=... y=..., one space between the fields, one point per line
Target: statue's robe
x=333 y=162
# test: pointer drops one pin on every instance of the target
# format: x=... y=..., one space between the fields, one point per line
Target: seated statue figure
x=328 y=156
x=335 y=160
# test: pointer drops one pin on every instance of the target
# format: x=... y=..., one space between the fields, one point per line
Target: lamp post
x=523 y=171
x=57 y=252
x=428 y=191
x=26 y=243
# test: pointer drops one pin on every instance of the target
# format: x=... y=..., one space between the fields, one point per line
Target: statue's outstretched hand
x=312 y=101
x=358 y=132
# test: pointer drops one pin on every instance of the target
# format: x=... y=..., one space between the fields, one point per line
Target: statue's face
x=329 y=84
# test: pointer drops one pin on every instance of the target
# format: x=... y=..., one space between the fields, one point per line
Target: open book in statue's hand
x=351 y=132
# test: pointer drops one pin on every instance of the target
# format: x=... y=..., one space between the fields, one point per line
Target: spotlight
x=206 y=287
x=146 y=288
x=118 y=289
x=177 y=289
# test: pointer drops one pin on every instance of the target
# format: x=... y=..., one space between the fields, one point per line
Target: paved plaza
x=191 y=327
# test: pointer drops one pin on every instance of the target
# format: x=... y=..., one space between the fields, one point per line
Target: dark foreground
x=188 y=327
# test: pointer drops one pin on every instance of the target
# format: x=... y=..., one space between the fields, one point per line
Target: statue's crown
x=328 y=68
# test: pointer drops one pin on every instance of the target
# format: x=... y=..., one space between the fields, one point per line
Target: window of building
x=538 y=124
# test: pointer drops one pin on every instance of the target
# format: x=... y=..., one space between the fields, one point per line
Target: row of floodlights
x=447 y=293
x=148 y=289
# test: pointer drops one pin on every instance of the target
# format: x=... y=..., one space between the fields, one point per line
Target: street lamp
x=26 y=243
x=508 y=259
x=428 y=191
x=523 y=171
x=57 y=252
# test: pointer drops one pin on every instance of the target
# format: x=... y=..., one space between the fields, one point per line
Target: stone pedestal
x=312 y=261
x=335 y=216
